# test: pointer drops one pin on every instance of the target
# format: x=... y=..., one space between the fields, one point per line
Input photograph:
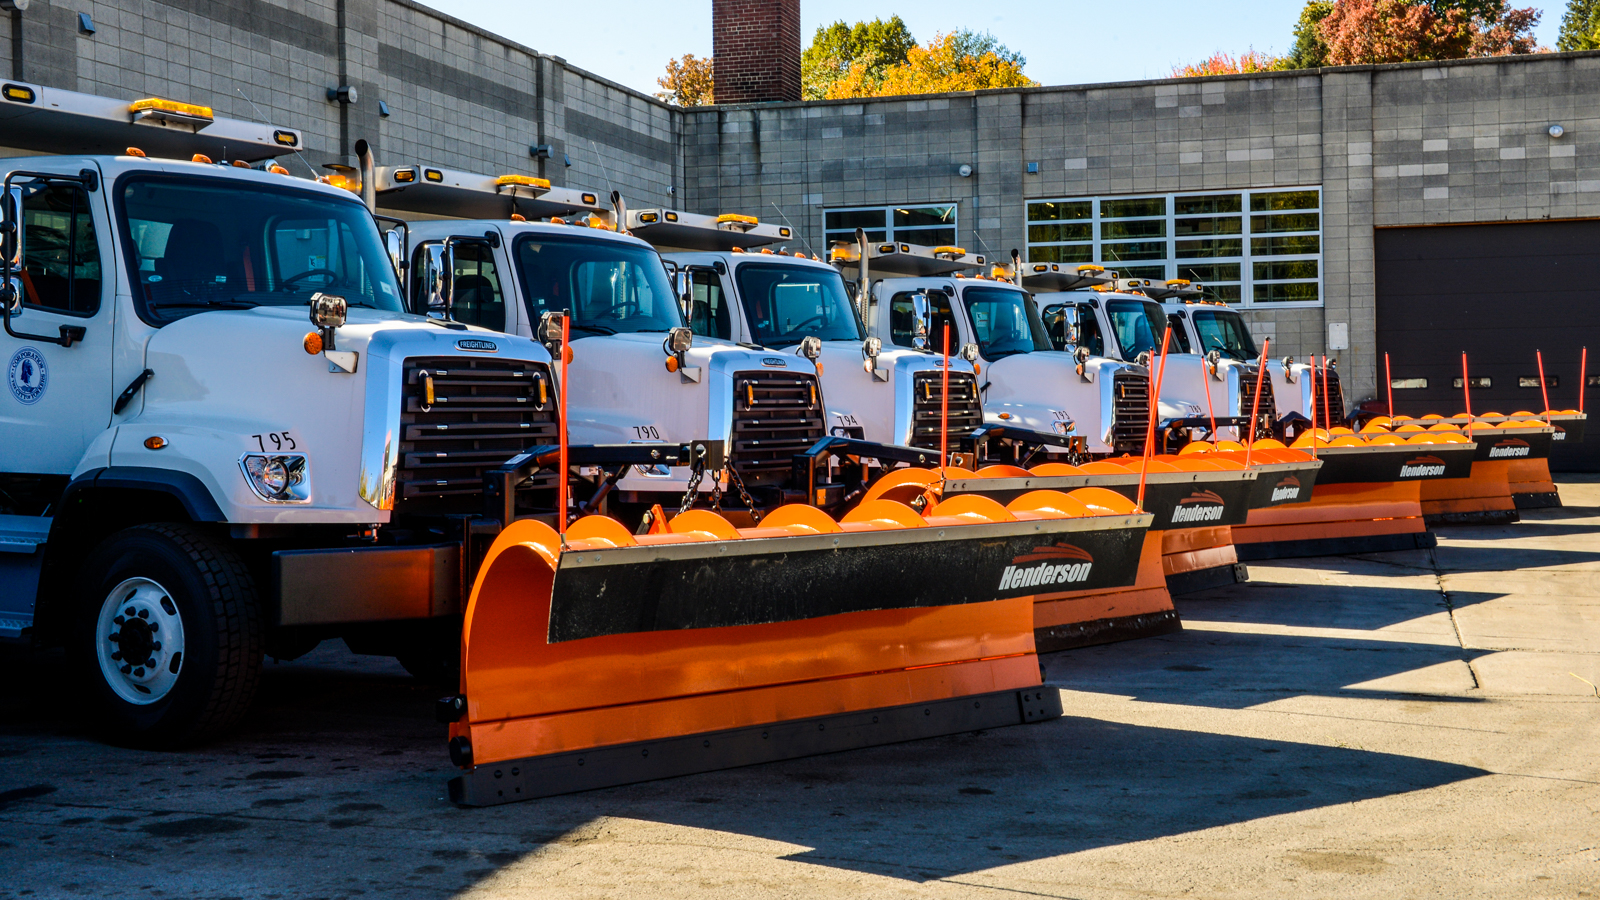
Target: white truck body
x=621 y=389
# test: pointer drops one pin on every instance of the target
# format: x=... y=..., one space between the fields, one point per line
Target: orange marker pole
x=561 y=481
x=944 y=406
x=1255 y=402
x=1388 y=379
x=1205 y=376
x=1466 y=388
x=1583 y=377
x=1155 y=408
x=1543 y=391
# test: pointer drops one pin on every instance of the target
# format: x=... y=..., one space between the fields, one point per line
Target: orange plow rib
x=625 y=658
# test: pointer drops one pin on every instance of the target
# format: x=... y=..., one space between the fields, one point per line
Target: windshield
x=1224 y=330
x=211 y=243
x=1137 y=325
x=785 y=304
x=610 y=287
x=1004 y=322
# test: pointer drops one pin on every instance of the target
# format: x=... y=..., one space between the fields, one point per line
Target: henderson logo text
x=1058 y=564
x=1202 y=506
x=1422 y=467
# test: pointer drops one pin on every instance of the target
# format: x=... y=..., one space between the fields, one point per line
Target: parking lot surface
x=1394 y=725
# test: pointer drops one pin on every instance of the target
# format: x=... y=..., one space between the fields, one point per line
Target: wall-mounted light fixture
x=541 y=151
x=14 y=5
x=964 y=170
x=344 y=93
x=1557 y=131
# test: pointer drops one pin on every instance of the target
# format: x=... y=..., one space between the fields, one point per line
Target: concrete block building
x=1417 y=210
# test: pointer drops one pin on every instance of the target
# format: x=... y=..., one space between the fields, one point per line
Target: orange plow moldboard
x=624 y=659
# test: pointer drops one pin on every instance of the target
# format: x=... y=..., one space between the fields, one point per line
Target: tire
x=195 y=614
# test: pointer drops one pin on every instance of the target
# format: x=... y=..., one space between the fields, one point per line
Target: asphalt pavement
x=1393 y=725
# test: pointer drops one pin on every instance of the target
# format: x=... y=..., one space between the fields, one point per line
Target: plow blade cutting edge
x=623 y=658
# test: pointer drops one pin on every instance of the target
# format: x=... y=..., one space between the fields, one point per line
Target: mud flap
x=583 y=770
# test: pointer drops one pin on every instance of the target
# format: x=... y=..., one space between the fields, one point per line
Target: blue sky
x=1065 y=41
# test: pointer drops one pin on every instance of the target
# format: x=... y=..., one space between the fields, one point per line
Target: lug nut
x=151 y=662
x=128 y=612
x=155 y=627
x=114 y=638
x=119 y=621
x=144 y=613
x=126 y=669
x=138 y=673
x=156 y=645
x=116 y=655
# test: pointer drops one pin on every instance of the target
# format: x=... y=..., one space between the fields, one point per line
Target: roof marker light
x=200 y=158
x=19 y=93
x=168 y=111
x=405 y=176
x=522 y=181
x=433 y=175
x=136 y=153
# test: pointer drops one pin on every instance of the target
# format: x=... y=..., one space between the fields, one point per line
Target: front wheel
x=168 y=637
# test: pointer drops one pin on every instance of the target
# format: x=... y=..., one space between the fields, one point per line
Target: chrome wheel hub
x=139 y=641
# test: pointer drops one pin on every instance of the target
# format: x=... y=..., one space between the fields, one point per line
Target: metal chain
x=744 y=495
x=716 y=489
x=697 y=470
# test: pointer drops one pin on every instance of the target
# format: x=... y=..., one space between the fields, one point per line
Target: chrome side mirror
x=919 y=320
x=328 y=312
x=1081 y=355
x=1213 y=363
x=1288 y=369
x=11 y=248
x=685 y=290
x=969 y=351
x=811 y=347
x=678 y=341
x=435 y=281
x=549 y=332
x=395 y=244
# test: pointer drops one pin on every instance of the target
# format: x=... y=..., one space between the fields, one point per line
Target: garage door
x=1498 y=292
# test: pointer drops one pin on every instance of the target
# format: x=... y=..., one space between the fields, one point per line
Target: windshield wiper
x=206 y=304
x=597 y=329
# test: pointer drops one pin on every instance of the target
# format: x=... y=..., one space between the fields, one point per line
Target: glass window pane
x=1207 y=249
x=1220 y=225
x=61 y=256
x=1147 y=228
x=1074 y=231
x=1292 y=292
x=1209 y=273
x=1126 y=209
x=1283 y=200
x=1288 y=222
x=851 y=219
x=1285 y=246
x=478 y=299
x=927 y=237
x=924 y=215
x=1227 y=293
x=1069 y=253
x=1213 y=203
x=1154 y=273
x=876 y=236
x=1289 y=268
x=1052 y=211
x=1141 y=250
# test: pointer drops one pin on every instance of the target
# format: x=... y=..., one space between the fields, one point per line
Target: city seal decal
x=28 y=376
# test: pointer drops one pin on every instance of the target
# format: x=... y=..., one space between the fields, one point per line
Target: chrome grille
x=1130 y=392
x=776 y=416
x=484 y=412
x=966 y=413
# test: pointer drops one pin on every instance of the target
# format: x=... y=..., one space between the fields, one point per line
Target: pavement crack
x=1450 y=608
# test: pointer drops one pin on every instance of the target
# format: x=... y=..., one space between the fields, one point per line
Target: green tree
x=1580 y=27
x=1310 y=51
x=960 y=61
x=838 y=48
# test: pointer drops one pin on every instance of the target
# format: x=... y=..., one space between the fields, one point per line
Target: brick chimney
x=755 y=49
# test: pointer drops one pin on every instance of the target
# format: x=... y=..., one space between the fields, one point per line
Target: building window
x=1250 y=248
x=930 y=226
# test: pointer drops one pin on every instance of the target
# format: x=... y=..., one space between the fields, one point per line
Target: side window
x=708 y=314
x=478 y=298
x=61 y=262
x=419 y=296
x=1089 y=332
x=1180 y=335
x=939 y=317
x=1058 y=321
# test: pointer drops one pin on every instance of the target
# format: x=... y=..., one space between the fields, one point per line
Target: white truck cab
x=1218 y=332
x=637 y=373
x=1121 y=319
x=743 y=291
x=1024 y=381
x=223 y=434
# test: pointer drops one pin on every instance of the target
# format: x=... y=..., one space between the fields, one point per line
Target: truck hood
x=232 y=382
x=881 y=403
x=1042 y=391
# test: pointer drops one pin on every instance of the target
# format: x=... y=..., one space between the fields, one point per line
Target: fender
x=188 y=490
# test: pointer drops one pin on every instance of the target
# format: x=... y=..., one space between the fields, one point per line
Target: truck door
x=478 y=290
x=709 y=311
x=59 y=398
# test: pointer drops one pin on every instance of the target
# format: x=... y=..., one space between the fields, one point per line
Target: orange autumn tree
x=959 y=61
x=1228 y=64
x=1364 y=32
x=687 y=82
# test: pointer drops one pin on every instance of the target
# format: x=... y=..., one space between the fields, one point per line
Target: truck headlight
x=277 y=477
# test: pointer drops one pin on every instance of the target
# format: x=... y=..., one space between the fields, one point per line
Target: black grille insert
x=1335 y=406
x=483 y=412
x=776 y=416
x=1130 y=392
x=1267 y=410
x=966 y=412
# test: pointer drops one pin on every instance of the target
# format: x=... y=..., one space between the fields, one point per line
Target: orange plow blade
x=624 y=658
